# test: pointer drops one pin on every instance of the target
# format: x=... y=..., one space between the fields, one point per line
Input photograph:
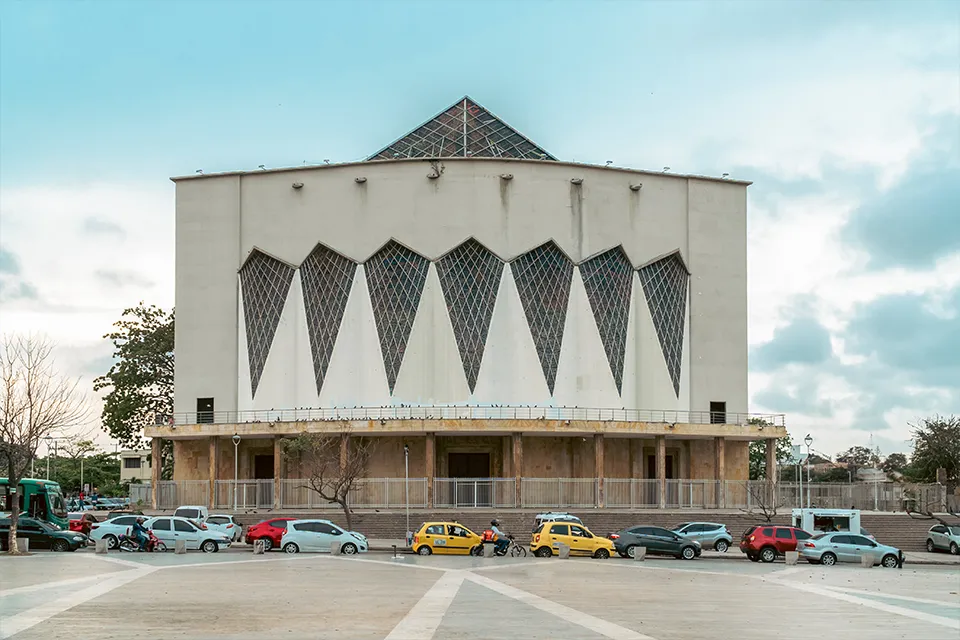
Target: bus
x=40 y=499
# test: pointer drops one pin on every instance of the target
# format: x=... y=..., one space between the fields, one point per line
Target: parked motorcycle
x=129 y=543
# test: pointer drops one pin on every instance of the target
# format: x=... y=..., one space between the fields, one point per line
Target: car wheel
x=112 y=542
x=722 y=546
x=477 y=551
x=889 y=561
x=828 y=559
x=954 y=549
x=349 y=549
x=768 y=554
x=602 y=554
x=930 y=546
x=543 y=552
x=753 y=557
x=291 y=547
x=267 y=544
x=631 y=551
x=209 y=546
x=60 y=546
x=424 y=551
x=688 y=553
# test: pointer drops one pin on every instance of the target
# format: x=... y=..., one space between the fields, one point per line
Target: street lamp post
x=808 y=441
x=406 y=485
x=49 y=440
x=236 y=468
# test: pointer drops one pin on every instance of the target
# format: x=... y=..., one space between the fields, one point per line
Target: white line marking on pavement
x=122 y=563
x=585 y=620
x=41 y=586
x=392 y=563
x=31 y=617
x=873 y=604
x=891 y=596
x=422 y=620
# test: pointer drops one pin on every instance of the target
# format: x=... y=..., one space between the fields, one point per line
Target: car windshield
x=680 y=526
x=819 y=535
x=955 y=530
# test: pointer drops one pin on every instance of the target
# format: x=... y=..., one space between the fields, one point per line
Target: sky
x=845 y=115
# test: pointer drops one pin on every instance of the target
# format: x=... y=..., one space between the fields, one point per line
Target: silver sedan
x=831 y=548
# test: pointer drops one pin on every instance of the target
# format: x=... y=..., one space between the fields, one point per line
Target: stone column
x=518 y=468
x=771 y=471
x=156 y=465
x=719 y=445
x=662 y=470
x=430 y=465
x=214 y=450
x=598 y=466
x=344 y=452
x=278 y=469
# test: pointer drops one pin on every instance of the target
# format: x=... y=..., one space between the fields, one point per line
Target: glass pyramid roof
x=464 y=130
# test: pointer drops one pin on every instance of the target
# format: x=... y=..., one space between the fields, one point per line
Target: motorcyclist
x=500 y=540
x=140 y=533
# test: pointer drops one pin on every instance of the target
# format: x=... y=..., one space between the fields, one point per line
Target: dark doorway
x=718 y=413
x=263 y=467
x=469 y=465
x=652 y=467
x=475 y=492
x=204 y=410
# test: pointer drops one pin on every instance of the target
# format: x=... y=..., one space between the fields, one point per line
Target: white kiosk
x=827 y=520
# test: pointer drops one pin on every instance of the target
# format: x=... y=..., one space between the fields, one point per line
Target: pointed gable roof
x=466 y=129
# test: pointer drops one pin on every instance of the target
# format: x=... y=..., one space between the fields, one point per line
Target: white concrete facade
x=135 y=465
x=222 y=219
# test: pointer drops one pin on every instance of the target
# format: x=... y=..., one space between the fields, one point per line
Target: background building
x=135 y=466
x=501 y=313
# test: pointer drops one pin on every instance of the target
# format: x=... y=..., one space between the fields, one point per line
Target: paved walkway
x=240 y=596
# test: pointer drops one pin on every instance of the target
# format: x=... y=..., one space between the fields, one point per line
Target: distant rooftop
x=465 y=130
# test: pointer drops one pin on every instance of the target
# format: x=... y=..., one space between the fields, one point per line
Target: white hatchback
x=318 y=535
x=170 y=529
x=226 y=525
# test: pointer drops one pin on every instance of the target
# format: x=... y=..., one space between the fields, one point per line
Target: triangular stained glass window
x=608 y=279
x=327 y=278
x=395 y=278
x=470 y=277
x=665 y=285
x=265 y=282
x=464 y=130
x=543 y=278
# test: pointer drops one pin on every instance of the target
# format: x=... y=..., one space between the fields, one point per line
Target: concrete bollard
x=334 y=548
x=639 y=553
x=564 y=550
x=259 y=547
x=23 y=544
x=792 y=557
x=101 y=546
x=180 y=546
x=866 y=560
x=488 y=549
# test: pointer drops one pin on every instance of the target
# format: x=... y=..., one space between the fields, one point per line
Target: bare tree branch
x=765 y=500
x=37 y=401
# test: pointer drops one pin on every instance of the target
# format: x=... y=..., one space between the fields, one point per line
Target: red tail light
x=94 y=526
x=752 y=538
x=614 y=536
x=229 y=526
x=809 y=544
x=537 y=539
x=416 y=539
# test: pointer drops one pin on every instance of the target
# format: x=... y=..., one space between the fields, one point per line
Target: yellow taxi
x=546 y=541
x=446 y=538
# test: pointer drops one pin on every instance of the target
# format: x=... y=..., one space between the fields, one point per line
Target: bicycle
x=514 y=549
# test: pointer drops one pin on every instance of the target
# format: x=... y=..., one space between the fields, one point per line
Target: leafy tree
x=895 y=462
x=836 y=474
x=139 y=384
x=936 y=445
x=758 y=456
x=858 y=457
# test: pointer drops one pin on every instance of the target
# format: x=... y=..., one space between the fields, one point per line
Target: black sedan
x=658 y=541
x=42 y=535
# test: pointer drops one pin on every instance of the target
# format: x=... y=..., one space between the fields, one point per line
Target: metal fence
x=475 y=492
x=245 y=494
x=559 y=492
x=367 y=493
x=455 y=412
x=141 y=494
x=174 y=493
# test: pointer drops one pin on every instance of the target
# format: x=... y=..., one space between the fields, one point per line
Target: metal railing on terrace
x=570 y=493
x=499 y=412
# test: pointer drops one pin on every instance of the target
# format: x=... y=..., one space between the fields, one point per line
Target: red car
x=767 y=542
x=270 y=531
x=82 y=522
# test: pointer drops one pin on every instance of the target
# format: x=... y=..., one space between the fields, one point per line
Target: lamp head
x=236 y=439
x=808 y=440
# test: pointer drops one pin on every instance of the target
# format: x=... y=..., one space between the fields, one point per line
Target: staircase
x=896 y=529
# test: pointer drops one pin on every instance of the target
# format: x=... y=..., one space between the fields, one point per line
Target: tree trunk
x=14 y=482
x=347 y=514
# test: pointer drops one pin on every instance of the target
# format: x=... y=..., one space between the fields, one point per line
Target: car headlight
x=78 y=538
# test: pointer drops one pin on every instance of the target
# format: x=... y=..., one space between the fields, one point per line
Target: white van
x=191 y=512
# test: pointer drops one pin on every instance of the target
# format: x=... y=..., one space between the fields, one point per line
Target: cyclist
x=500 y=540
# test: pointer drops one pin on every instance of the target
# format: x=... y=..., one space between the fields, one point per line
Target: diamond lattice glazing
x=665 y=285
x=464 y=130
x=543 y=278
x=608 y=279
x=470 y=277
x=327 y=278
x=265 y=282
x=395 y=278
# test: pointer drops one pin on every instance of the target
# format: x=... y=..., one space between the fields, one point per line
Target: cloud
x=803 y=341
x=121 y=278
x=9 y=263
x=97 y=226
x=18 y=291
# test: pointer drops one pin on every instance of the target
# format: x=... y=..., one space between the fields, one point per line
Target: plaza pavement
x=237 y=595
